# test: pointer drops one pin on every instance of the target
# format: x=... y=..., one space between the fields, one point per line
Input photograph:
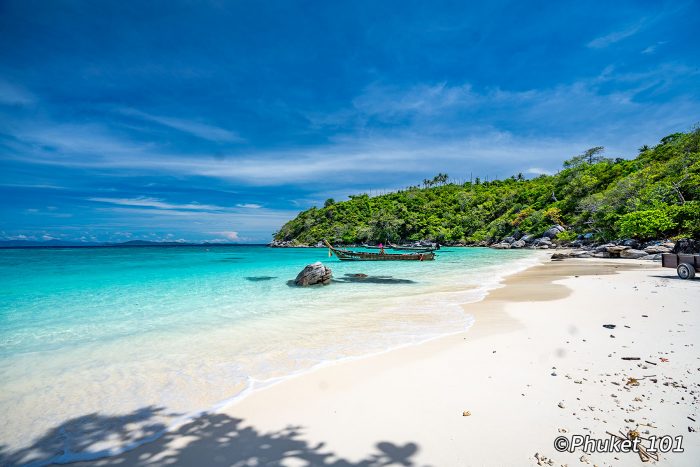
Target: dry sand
x=537 y=364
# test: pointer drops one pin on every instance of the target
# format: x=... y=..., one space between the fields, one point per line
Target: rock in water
x=314 y=274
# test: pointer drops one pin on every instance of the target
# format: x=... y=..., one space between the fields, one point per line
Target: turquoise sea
x=173 y=331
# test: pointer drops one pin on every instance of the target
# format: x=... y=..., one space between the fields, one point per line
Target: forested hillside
x=656 y=194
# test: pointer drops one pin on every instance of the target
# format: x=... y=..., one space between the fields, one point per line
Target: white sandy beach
x=538 y=341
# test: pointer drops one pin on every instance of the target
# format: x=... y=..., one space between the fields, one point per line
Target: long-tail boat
x=414 y=248
x=349 y=255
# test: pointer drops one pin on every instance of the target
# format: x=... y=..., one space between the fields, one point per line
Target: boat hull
x=349 y=255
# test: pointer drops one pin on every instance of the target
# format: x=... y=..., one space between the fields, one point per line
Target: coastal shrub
x=653 y=223
x=554 y=215
x=567 y=236
x=687 y=216
x=522 y=215
x=654 y=194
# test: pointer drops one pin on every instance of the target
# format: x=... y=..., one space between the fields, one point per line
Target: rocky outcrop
x=543 y=243
x=518 y=244
x=654 y=249
x=687 y=246
x=314 y=274
x=630 y=242
x=631 y=253
x=616 y=250
x=280 y=244
x=553 y=231
x=527 y=238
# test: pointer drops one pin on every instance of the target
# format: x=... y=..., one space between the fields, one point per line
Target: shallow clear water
x=113 y=330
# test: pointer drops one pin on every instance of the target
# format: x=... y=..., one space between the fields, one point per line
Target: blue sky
x=220 y=121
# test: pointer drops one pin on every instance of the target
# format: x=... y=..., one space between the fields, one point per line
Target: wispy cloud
x=615 y=36
x=11 y=94
x=249 y=206
x=652 y=48
x=192 y=127
x=399 y=153
x=157 y=203
x=424 y=99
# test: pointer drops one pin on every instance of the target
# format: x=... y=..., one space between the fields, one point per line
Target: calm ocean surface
x=91 y=332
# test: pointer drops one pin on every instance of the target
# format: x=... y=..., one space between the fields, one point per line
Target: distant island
x=655 y=195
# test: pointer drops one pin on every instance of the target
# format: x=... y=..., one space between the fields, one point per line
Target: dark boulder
x=553 y=231
x=527 y=238
x=314 y=274
x=687 y=246
x=631 y=242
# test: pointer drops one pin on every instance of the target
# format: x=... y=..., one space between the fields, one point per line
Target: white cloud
x=424 y=99
x=538 y=171
x=158 y=203
x=615 y=36
x=195 y=128
x=652 y=48
x=427 y=139
x=233 y=236
x=249 y=206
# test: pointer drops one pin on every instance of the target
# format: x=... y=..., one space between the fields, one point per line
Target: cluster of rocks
x=529 y=241
x=628 y=249
x=293 y=244
x=314 y=274
x=282 y=244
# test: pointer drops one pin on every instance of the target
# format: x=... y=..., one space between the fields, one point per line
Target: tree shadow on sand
x=210 y=439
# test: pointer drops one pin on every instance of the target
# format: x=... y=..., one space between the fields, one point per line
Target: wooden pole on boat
x=330 y=248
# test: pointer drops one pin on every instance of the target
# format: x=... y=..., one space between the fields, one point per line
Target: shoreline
x=254 y=385
x=351 y=385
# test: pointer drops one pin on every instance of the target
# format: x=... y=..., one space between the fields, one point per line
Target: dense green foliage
x=657 y=194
